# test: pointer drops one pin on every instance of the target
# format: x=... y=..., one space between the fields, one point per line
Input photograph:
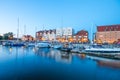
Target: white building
x=59 y=32
x=68 y=31
x=53 y=35
x=46 y=35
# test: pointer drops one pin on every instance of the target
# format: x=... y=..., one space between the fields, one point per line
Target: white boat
x=57 y=46
x=42 y=45
x=75 y=50
x=31 y=45
x=13 y=43
x=103 y=50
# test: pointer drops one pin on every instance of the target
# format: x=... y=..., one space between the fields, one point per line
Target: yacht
x=30 y=44
x=43 y=45
x=13 y=43
x=75 y=50
x=57 y=46
x=101 y=49
x=66 y=47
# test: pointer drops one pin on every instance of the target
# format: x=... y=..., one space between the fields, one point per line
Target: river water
x=19 y=63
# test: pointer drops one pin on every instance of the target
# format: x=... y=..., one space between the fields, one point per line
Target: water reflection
x=33 y=63
x=104 y=62
x=7 y=50
x=81 y=56
x=112 y=64
x=55 y=54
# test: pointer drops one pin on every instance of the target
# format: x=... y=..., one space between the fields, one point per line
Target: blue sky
x=50 y=14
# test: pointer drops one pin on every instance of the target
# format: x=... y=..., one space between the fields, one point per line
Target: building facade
x=46 y=35
x=59 y=34
x=64 y=34
x=27 y=38
x=81 y=36
x=108 y=34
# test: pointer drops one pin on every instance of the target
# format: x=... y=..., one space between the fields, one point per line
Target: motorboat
x=13 y=43
x=43 y=45
x=66 y=47
x=75 y=50
x=30 y=44
x=57 y=46
x=102 y=49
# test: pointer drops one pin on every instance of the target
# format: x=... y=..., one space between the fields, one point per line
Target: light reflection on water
x=55 y=54
x=20 y=63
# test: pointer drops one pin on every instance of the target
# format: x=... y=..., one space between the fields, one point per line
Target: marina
x=60 y=40
x=88 y=49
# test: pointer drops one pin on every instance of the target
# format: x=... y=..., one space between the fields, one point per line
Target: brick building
x=81 y=36
x=108 y=34
x=27 y=38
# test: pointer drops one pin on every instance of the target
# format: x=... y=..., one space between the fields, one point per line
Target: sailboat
x=14 y=43
x=17 y=43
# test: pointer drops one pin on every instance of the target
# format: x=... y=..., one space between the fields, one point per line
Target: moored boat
x=66 y=49
x=57 y=46
x=105 y=50
x=30 y=44
x=42 y=45
x=75 y=50
x=13 y=43
x=102 y=49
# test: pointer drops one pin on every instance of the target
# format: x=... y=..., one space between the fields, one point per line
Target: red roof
x=82 y=33
x=108 y=28
x=46 y=31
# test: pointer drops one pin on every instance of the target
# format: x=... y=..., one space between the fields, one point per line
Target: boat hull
x=104 y=50
x=66 y=49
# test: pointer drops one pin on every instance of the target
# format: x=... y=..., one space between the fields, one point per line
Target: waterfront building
x=64 y=34
x=27 y=38
x=81 y=36
x=59 y=34
x=108 y=34
x=39 y=35
x=46 y=35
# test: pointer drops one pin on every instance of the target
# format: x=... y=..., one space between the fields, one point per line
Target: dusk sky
x=51 y=14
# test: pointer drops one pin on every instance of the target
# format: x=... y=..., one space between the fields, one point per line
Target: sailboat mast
x=61 y=27
x=24 y=29
x=18 y=31
x=92 y=34
x=36 y=33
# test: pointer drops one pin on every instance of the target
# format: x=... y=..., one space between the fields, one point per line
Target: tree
x=8 y=36
x=1 y=37
x=5 y=36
